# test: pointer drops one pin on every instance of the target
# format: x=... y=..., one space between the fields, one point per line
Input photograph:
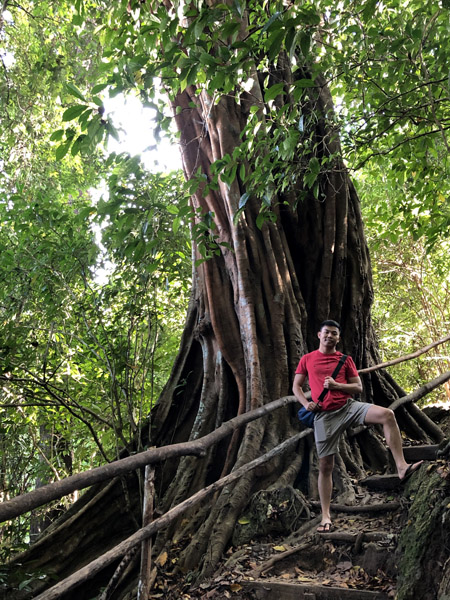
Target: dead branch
x=367 y=508
x=268 y=564
x=400 y=359
x=26 y=502
x=351 y=538
x=94 y=567
x=422 y=391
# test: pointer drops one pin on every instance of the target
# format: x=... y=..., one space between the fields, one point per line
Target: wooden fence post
x=145 y=577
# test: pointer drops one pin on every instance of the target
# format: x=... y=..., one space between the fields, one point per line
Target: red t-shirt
x=316 y=366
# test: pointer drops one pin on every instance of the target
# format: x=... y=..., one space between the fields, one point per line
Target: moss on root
x=423 y=545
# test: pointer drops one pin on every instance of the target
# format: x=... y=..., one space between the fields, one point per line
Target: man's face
x=329 y=336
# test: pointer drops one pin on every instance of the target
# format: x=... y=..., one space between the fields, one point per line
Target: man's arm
x=354 y=385
x=299 y=380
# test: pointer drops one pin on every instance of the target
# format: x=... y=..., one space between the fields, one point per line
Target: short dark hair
x=330 y=323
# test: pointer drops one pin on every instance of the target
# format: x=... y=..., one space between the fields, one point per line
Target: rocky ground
x=358 y=554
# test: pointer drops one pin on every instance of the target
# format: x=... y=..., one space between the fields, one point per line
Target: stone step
x=381 y=482
x=416 y=453
x=268 y=590
x=389 y=481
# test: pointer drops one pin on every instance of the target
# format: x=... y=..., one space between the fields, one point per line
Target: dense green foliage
x=93 y=292
x=412 y=308
x=83 y=360
x=386 y=66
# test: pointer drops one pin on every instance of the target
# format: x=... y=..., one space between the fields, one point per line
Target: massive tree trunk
x=255 y=309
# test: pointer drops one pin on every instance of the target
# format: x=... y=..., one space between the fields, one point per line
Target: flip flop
x=325 y=528
x=410 y=471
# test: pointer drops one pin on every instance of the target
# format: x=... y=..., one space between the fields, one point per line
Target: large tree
x=278 y=242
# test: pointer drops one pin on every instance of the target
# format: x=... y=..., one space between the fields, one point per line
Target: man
x=338 y=411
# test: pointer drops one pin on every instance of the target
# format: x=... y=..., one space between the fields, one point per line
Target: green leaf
x=62 y=150
x=76 y=146
x=139 y=251
x=207 y=59
x=77 y=20
x=314 y=165
x=275 y=42
x=305 y=43
x=99 y=88
x=236 y=215
x=310 y=16
x=230 y=29
x=57 y=135
x=267 y=199
x=291 y=41
x=260 y=220
x=217 y=82
x=74 y=91
x=274 y=91
x=304 y=83
x=275 y=17
x=243 y=199
x=239 y=7
x=369 y=9
x=112 y=130
x=73 y=112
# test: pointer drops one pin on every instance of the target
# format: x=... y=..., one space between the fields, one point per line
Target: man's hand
x=331 y=384
x=354 y=385
x=313 y=406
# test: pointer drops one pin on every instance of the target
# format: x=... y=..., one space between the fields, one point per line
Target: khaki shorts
x=330 y=425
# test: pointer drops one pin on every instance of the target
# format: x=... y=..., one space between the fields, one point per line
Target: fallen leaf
x=162 y=559
x=344 y=565
x=235 y=587
x=279 y=548
x=244 y=521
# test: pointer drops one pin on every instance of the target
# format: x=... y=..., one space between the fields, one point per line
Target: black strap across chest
x=333 y=375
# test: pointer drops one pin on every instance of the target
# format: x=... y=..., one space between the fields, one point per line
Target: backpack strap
x=333 y=375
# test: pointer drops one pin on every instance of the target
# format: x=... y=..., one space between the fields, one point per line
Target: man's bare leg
x=325 y=485
x=378 y=415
